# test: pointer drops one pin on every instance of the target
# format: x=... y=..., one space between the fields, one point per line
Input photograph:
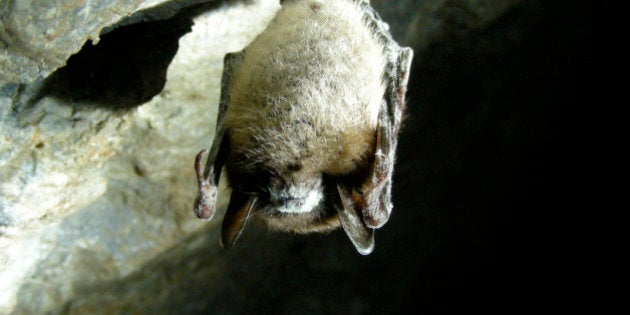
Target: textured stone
x=37 y=37
x=93 y=184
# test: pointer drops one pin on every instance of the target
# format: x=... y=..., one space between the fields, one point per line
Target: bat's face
x=286 y=191
x=288 y=197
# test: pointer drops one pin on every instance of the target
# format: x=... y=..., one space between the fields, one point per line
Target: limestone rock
x=37 y=37
x=90 y=182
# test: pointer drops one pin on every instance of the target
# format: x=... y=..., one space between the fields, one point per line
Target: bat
x=308 y=122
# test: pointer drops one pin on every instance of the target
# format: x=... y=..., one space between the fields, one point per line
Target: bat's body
x=308 y=123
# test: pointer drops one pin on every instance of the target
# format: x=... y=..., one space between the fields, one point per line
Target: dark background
x=506 y=165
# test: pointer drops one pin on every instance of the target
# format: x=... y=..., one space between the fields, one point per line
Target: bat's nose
x=281 y=201
x=286 y=199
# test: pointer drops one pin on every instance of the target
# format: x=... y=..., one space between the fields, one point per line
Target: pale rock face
x=100 y=191
x=37 y=37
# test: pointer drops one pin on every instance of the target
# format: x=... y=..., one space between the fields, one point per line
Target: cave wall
x=93 y=184
x=36 y=38
x=96 y=152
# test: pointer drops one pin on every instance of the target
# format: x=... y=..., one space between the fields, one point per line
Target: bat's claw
x=205 y=203
x=198 y=165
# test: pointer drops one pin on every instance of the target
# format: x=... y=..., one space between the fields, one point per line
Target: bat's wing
x=377 y=190
x=366 y=208
x=208 y=177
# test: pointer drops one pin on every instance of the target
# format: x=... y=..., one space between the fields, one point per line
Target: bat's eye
x=294 y=167
x=284 y=199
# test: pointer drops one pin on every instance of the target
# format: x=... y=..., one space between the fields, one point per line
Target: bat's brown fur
x=308 y=123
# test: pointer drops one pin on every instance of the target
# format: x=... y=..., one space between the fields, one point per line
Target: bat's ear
x=240 y=209
x=360 y=235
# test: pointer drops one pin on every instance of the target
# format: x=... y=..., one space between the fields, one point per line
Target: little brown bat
x=308 y=124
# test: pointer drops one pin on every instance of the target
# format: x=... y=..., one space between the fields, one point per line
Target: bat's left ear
x=360 y=235
x=239 y=210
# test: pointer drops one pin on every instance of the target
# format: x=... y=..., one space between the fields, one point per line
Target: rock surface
x=37 y=37
x=96 y=178
x=94 y=184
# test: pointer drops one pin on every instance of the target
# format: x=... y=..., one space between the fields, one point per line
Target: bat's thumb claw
x=198 y=165
x=206 y=199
